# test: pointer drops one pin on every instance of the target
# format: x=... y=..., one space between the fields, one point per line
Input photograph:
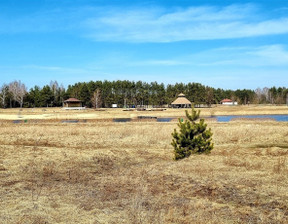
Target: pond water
x=70 y=121
x=228 y=118
x=279 y=118
x=162 y=119
x=122 y=119
x=17 y=121
x=73 y=121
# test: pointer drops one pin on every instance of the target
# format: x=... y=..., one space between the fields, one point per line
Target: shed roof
x=72 y=100
x=226 y=101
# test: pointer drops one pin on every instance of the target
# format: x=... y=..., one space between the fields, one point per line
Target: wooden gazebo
x=72 y=103
x=181 y=102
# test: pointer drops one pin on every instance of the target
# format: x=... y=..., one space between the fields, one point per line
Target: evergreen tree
x=85 y=95
x=34 y=97
x=192 y=136
x=46 y=96
x=4 y=90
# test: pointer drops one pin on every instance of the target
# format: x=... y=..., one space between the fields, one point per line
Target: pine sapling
x=193 y=137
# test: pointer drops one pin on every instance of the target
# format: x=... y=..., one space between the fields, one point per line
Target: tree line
x=129 y=94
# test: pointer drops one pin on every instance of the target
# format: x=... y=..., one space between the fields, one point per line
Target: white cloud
x=259 y=56
x=158 y=63
x=154 y=24
x=274 y=56
x=197 y=23
x=218 y=58
x=271 y=55
x=47 y=68
x=60 y=70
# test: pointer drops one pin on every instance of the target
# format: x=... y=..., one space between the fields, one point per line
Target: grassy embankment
x=104 y=172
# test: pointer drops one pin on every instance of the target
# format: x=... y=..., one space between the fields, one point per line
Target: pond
x=219 y=118
x=162 y=119
x=70 y=121
x=73 y=121
x=122 y=120
x=276 y=117
x=279 y=118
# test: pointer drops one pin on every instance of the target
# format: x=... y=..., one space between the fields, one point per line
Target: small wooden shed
x=72 y=103
x=181 y=102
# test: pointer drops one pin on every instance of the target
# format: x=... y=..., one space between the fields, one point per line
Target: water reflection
x=279 y=118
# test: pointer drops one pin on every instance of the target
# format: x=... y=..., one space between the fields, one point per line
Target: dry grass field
x=105 y=172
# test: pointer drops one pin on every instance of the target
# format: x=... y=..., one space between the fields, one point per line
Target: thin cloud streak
x=158 y=63
x=197 y=23
x=61 y=70
x=253 y=57
x=260 y=56
x=155 y=24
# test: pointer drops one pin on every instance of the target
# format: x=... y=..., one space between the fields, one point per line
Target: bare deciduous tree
x=262 y=95
x=18 y=91
x=54 y=87
x=96 y=99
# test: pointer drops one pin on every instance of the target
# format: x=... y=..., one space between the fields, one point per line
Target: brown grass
x=104 y=172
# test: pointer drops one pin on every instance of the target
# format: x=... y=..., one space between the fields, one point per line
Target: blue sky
x=223 y=44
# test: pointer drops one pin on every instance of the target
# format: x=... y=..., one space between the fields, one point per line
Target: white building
x=228 y=102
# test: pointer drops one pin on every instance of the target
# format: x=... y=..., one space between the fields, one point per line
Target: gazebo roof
x=181 y=95
x=72 y=100
x=181 y=100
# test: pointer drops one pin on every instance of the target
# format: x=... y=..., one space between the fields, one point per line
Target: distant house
x=228 y=102
x=181 y=102
x=73 y=104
